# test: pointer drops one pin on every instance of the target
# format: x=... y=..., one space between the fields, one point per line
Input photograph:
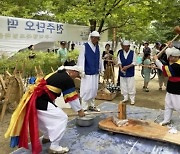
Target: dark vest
x=91 y=60
x=125 y=62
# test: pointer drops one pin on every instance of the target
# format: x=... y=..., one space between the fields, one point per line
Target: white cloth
x=75 y=105
x=172 y=102
x=127 y=85
x=89 y=83
x=154 y=51
x=89 y=87
x=125 y=56
x=74 y=68
x=159 y=64
x=52 y=123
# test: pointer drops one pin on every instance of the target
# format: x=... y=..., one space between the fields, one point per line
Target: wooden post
x=6 y=100
x=122 y=111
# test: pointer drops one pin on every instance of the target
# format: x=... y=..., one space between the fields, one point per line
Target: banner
x=18 y=33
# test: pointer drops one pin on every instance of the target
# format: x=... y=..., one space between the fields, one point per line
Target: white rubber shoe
x=124 y=100
x=164 y=123
x=132 y=102
x=58 y=149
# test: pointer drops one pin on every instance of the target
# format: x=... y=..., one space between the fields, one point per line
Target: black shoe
x=93 y=108
x=44 y=141
x=146 y=90
x=160 y=89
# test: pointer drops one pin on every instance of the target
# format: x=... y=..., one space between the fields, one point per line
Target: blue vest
x=125 y=62
x=91 y=60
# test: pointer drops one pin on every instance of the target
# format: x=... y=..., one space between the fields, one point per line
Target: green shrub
x=23 y=63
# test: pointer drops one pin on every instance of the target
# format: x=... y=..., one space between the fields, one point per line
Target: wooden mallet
x=177 y=31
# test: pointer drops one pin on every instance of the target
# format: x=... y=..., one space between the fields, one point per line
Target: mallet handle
x=102 y=112
x=158 y=55
x=90 y=113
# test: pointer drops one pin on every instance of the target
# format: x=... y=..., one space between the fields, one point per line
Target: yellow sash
x=18 y=115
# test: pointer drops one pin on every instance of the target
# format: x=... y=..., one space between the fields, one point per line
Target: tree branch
x=116 y=26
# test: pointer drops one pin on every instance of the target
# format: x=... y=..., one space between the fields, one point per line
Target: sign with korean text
x=29 y=29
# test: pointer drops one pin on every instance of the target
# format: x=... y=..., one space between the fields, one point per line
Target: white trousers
x=52 y=123
x=86 y=104
x=127 y=85
x=172 y=102
x=88 y=90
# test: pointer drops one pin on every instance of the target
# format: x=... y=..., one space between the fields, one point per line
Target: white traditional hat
x=74 y=68
x=172 y=52
x=95 y=34
x=126 y=42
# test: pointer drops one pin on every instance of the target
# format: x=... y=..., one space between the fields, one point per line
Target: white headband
x=172 y=52
x=73 y=68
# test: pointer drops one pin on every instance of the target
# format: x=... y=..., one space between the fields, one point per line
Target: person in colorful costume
x=127 y=62
x=90 y=60
x=37 y=110
x=172 y=71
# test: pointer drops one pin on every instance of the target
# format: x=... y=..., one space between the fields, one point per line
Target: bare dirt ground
x=152 y=99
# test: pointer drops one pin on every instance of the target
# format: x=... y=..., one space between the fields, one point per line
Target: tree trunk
x=92 y=25
x=101 y=26
x=114 y=39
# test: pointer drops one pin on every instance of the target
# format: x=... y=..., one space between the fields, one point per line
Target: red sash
x=31 y=119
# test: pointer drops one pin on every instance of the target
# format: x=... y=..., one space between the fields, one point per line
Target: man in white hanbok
x=127 y=62
x=90 y=60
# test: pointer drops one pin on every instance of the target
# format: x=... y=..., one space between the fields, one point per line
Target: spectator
x=62 y=52
x=156 y=48
x=32 y=53
x=107 y=56
x=146 y=48
x=31 y=47
x=139 y=61
x=161 y=78
x=72 y=47
x=146 y=71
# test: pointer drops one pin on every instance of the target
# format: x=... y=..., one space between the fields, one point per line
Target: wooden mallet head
x=177 y=29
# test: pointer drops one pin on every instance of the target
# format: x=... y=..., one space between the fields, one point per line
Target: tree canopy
x=148 y=20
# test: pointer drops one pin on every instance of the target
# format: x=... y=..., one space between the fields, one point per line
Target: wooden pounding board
x=142 y=128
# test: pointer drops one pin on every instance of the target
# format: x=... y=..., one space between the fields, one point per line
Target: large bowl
x=85 y=121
